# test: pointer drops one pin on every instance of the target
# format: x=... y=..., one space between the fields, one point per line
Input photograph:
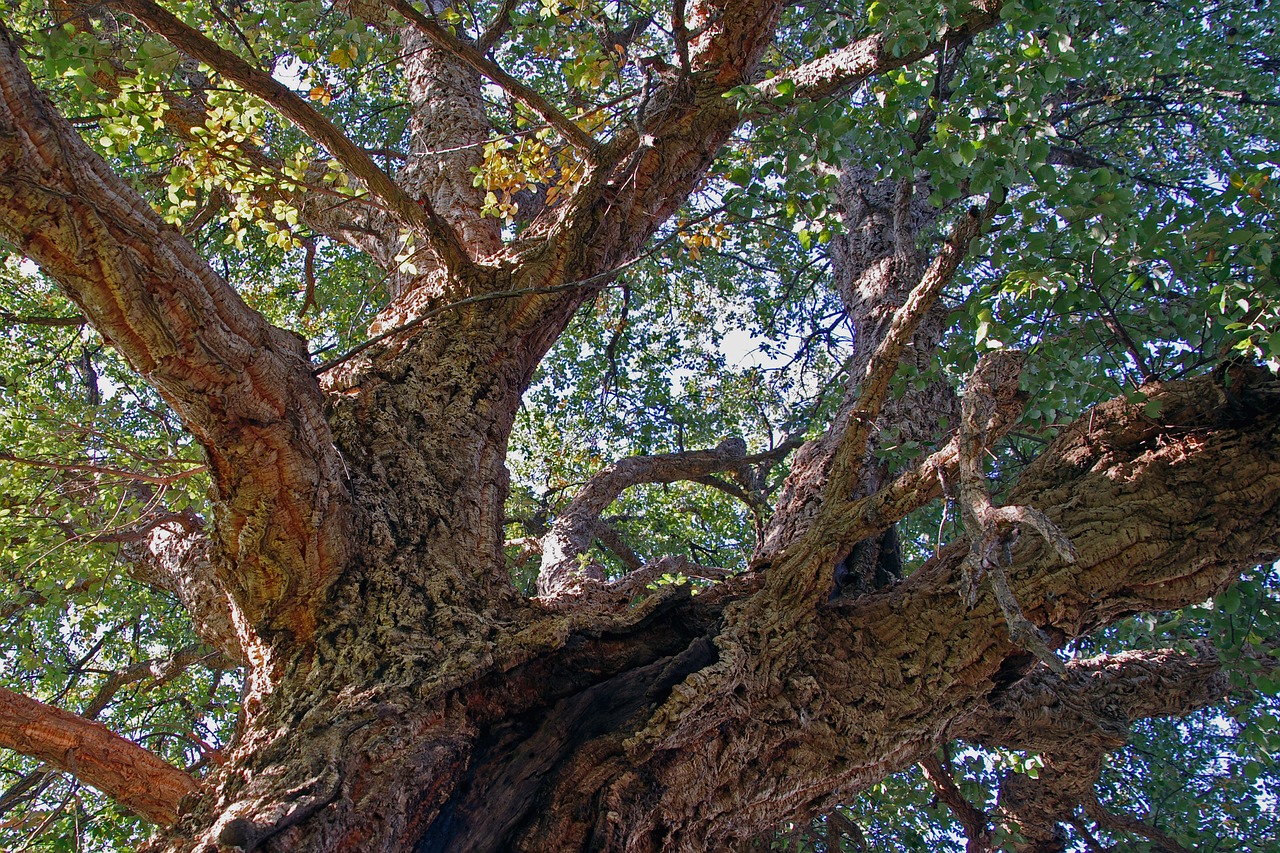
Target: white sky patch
x=742 y=349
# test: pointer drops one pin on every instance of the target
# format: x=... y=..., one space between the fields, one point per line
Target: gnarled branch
x=1076 y=718
x=791 y=678
x=571 y=534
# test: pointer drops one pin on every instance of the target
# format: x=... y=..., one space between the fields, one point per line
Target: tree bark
x=139 y=780
x=242 y=386
x=698 y=723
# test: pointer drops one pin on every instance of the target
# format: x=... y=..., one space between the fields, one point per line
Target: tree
x=418 y=295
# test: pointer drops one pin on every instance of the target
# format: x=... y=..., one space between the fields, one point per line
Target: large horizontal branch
x=813 y=704
x=243 y=387
x=1075 y=719
x=1098 y=698
x=846 y=67
x=571 y=534
x=138 y=779
x=413 y=212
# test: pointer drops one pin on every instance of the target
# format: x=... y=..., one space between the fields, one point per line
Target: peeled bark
x=242 y=386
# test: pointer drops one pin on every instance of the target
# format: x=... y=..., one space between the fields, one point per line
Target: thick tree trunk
x=422 y=720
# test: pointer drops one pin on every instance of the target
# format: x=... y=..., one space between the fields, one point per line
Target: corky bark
x=139 y=780
x=405 y=696
x=1074 y=720
x=239 y=384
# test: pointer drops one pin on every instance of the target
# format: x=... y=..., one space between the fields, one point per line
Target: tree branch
x=1114 y=822
x=345 y=219
x=973 y=820
x=572 y=134
x=135 y=777
x=32 y=320
x=1076 y=718
x=571 y=533
x=178 y=560
x=1201 y=489
x=497 y=27
x=157 y=672
x=845 y=68
x=412 y=212
x=611 y=538
x=636 y=582
x=1099 y=698
x=987 y=525
x=861 y=418
x=107 y=471
x=242 y=386
x=924 y=482
x=27 y=788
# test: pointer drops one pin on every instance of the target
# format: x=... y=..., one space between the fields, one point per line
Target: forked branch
x=926 y=481
x=988 y=526
x=412 y=212
x=847 y=464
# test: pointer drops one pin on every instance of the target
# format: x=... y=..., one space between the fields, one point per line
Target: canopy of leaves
x=1133 y=145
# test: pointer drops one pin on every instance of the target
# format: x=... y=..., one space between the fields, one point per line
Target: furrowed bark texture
x=849 y=697
x=1075 y=720
x=421 y=722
